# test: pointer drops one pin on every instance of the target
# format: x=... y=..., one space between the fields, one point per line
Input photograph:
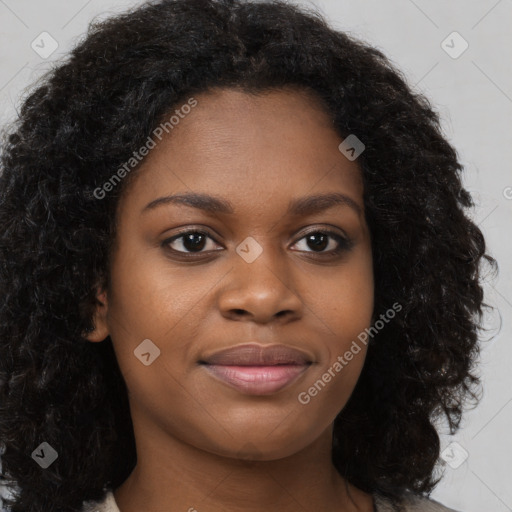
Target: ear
x=99 y=319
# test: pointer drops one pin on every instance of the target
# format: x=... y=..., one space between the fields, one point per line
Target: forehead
x=271 y=145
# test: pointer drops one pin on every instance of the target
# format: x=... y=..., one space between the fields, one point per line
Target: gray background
x=473 y=93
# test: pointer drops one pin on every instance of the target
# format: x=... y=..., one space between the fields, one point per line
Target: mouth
x=257 y=370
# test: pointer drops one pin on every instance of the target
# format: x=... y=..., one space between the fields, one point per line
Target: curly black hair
x=85 y=118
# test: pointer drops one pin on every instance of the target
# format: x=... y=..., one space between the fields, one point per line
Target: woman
x=237 y=269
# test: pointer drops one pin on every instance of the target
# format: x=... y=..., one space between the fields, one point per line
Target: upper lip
x=252 y=354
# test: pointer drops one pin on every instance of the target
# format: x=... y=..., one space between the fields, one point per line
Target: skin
x=201 y=444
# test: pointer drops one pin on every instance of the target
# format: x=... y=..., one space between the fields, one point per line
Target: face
x=262 y=264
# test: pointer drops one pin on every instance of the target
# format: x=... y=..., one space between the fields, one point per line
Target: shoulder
x=411 y=503
x=107 y=504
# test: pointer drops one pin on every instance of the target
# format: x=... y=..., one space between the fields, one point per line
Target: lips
x=257 y=370
x=258 y=355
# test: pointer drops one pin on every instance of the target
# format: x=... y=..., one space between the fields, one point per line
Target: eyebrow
x=307 y=205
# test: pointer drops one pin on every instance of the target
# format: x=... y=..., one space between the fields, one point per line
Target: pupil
x=191 y=244
x=317 y=243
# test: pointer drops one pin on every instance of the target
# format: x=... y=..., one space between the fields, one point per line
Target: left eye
x=319 y=241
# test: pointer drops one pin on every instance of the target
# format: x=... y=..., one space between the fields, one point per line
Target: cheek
x=345 y=306
x=148 y=299
x=345 y=301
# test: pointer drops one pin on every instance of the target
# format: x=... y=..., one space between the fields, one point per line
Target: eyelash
x=344 y=243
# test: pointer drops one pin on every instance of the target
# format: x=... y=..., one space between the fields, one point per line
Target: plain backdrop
x=458 y=53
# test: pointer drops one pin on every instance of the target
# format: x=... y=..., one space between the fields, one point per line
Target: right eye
x=192 y=241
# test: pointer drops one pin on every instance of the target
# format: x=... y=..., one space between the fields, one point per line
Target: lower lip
x=257 y=380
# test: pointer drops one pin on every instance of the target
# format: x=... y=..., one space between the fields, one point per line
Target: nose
x=261 y=291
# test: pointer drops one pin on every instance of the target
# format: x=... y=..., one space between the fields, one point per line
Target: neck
x=173 y=475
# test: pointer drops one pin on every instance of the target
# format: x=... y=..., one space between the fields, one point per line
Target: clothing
x=411 y=502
